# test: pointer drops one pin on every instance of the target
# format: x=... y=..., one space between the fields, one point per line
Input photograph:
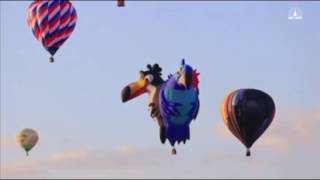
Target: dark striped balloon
x=52 y=22
x=248 y=113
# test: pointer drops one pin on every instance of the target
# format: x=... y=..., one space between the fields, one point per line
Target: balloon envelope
x=248 y=113
x=52 y=22
x=28 y=138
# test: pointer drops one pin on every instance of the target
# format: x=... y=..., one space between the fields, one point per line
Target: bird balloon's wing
x=197 y=106
x=168 y=108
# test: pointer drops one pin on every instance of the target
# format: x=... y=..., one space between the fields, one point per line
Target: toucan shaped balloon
x=248 y=113
x=52 y=22
x=27 y=139
x=173 y=103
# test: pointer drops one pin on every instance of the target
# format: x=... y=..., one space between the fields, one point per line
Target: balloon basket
x=174 y=151
x=120 y=3
x=248 y=154
x=51 y=60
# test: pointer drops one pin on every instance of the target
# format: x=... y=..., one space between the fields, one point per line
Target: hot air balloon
x=28 y=138
x=248 y=113
x=173 y=103
x=120 y=3
x=52 y=23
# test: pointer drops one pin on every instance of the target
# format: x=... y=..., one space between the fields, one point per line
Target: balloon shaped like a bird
x=52 y=22
x=173 y=103
x=248 y=113
x=27 y=139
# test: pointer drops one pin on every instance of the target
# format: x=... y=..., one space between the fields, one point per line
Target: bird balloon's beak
x=134 y=89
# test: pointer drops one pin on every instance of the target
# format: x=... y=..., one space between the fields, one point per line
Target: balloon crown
x=155 y=71
x=183 y=62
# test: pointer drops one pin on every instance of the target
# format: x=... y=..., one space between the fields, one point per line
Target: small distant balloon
x=120 y=3
x=248 y=113
x=27 y=139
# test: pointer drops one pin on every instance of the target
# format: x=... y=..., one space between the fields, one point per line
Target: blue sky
x=85 y=130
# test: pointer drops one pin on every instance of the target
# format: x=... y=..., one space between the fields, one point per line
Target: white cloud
x=125 y=158
x=276 y=151
x=291 y=127
x=294 y=127
x=7 y=143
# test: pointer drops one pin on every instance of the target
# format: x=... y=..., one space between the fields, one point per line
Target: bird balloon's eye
x=141 y=74
x=149 y=77
x=179 y=73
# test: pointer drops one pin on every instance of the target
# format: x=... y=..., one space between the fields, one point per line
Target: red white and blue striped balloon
x=52 y=22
